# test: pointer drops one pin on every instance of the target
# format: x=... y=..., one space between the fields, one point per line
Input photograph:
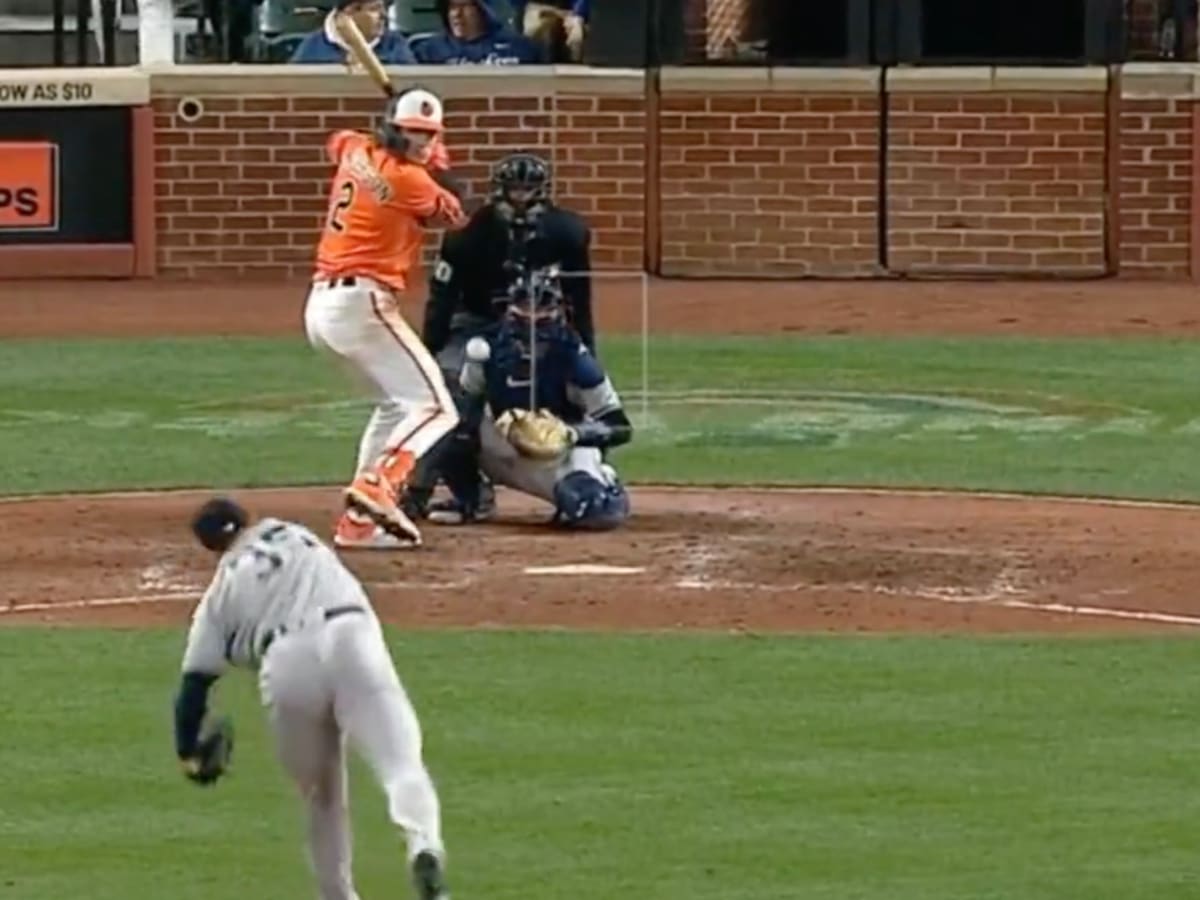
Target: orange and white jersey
x=378 y=205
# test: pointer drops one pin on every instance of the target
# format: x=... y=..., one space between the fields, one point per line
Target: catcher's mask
x=412 y=122
x=535 y=313
x=521 y=187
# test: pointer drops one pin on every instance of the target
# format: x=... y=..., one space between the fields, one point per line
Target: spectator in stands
x=325 y=46
x=475 y=33
x=558 y=26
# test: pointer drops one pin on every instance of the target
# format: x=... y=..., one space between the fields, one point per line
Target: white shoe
x=357 y=532
x=379 y=540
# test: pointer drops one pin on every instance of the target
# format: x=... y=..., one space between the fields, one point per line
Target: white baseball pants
x=322 y=683
x=359 y=320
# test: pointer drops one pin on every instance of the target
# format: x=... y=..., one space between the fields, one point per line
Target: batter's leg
x=408 y=376
x=361 y=322
x=427 y=472
x=386 y=416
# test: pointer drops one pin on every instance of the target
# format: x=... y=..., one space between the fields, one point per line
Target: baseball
x=478 y=350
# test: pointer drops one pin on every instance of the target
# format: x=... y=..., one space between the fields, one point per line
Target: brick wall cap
x=986 y=79
x=335 y=81
x=1160 y=80
x=762 y=79
x=108 y=87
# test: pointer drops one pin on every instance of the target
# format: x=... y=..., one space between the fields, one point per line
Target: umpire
x=519 y=229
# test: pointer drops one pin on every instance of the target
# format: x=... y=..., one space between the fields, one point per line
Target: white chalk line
x=102 y=602
x=1069 y=609
x=684 y=584
x=1002 y=593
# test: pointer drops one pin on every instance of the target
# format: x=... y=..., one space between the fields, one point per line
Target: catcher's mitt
x=536 y=435
x=213 y=753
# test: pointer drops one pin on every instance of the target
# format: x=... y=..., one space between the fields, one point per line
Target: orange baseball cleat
x=372 y=495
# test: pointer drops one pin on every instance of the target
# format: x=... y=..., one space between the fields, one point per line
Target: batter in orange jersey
x=376 y=209
x=369 y=251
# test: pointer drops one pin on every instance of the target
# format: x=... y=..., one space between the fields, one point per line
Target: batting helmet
x=415 y=109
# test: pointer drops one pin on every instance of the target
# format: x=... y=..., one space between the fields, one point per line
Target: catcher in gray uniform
x=282 y=602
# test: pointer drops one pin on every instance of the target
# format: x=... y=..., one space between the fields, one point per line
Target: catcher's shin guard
x=581 y=501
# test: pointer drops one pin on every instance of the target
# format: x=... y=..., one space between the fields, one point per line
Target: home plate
x=584 y=569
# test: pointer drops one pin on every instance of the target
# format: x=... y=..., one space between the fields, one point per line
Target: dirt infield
x=1045 y=309
x=755 y=560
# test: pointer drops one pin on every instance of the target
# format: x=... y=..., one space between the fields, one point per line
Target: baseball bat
x=349 y=32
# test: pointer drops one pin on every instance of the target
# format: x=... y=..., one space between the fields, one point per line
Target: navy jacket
x=323 y=46
x=500 y=44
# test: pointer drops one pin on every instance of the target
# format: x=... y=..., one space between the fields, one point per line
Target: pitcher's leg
x=374 y=710
x=383 y=726
x=311 y=752
x=299 y=699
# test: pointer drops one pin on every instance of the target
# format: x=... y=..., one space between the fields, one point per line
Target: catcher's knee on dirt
x=582 y=501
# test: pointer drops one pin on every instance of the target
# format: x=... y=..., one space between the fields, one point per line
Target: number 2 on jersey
x=341 y=202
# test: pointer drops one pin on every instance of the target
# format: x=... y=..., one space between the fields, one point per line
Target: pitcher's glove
x=213 y=753
x=539 y=435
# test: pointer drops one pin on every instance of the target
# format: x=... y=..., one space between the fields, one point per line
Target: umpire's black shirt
x=471 y=274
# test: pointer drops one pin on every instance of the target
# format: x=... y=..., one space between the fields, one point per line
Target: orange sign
x=28 y=186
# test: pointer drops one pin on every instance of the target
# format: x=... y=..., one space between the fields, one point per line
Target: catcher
x=282 y=602
x=554 y=413
x=519 y=228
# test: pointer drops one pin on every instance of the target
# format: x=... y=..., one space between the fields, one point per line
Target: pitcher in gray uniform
x=283 y=603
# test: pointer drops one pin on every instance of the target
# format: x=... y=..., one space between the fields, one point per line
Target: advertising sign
x=29 y=192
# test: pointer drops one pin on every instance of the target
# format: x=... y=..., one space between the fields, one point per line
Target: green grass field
x=1074 y=417
x=675 y=768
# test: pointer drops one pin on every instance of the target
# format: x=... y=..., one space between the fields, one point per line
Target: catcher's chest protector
x=509 y=381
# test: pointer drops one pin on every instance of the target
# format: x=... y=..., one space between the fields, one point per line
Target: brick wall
x=242 y=190
x=982 y=181
x=1155 y=186
x=768 y=172
x=783 y=183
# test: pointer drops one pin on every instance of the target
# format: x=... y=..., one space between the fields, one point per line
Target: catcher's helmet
x=415 y=109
